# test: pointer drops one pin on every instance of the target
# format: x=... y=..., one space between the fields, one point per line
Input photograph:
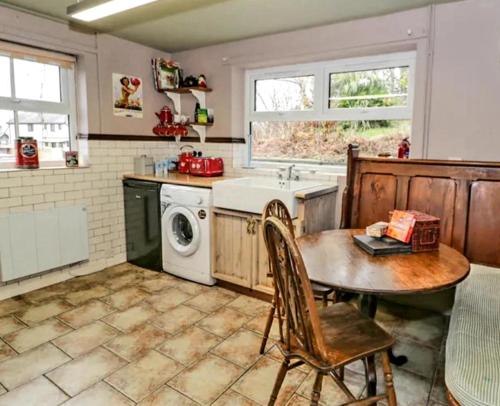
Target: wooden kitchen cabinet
x=232 y=247
x=239 y=254
x=261 y=280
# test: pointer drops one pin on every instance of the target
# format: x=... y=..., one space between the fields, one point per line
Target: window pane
x=284 y=94
x=5 y=76
x=7 y=135
x=51 y=144
x=370 y=88
x=325 y=141
x=37 y=81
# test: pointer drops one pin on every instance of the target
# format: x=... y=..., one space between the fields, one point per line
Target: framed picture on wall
x=127 y=96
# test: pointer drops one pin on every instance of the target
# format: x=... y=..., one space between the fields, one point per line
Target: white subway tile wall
x=99 y=188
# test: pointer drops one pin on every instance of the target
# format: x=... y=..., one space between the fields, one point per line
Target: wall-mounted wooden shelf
x=183 y=90
x=156 y=138
x=200 y=124
x=199 y=94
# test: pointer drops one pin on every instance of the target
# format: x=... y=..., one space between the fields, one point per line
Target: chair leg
x=340 y=373
x=267 y=329
x=370 y=375
x=389 y=384
x=280 y=313
x=325 y=300
x=316 y=392
x=279 y=381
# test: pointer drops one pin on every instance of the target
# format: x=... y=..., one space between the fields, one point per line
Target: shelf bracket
x=176 y=99
x=201 y=130
x=200 y=96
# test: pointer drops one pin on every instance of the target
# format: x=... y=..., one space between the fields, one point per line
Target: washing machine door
x=183 y=231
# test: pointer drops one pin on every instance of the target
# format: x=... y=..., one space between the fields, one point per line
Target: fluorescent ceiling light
x=91 y=10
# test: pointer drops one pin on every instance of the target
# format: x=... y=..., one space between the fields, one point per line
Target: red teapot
x=165 y=115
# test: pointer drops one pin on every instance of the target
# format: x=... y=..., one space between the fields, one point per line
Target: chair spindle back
x=302 y=326
x=276 y=208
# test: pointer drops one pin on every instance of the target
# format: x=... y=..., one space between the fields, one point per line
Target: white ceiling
x=174 y=25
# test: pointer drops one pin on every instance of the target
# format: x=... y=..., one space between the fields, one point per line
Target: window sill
x=303 y=169
x=42 y=168
x=323 y=174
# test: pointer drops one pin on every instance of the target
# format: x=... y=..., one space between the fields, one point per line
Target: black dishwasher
x=143 y=223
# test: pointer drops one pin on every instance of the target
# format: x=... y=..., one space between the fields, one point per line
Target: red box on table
x=426 y=231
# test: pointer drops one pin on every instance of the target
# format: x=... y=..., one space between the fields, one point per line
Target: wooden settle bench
x=465 y=195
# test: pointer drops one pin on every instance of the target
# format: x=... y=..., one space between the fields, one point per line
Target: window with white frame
x=37 y=99
x=310 y=113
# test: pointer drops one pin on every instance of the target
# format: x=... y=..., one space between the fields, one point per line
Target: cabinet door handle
x=254 y=226
x=249 y=225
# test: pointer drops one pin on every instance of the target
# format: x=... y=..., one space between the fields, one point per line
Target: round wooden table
x=332 y=258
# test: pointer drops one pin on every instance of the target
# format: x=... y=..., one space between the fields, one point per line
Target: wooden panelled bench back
x=464 y=195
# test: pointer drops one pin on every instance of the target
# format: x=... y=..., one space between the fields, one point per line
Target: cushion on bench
x=472 y=371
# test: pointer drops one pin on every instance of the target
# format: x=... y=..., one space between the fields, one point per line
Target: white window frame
x=67 y=106
x=320 y=110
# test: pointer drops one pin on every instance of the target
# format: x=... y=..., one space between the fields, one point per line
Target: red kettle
x=165 y=115
x=185 y=159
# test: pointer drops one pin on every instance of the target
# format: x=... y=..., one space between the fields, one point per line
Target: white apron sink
x=252 y=194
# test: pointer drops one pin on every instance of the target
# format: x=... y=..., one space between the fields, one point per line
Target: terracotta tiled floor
x=126 y=336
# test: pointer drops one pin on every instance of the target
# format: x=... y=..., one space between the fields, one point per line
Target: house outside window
x=308 y=114
x=37 y=99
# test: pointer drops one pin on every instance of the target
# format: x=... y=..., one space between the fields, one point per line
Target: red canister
x=27 y=153
x=185 y=159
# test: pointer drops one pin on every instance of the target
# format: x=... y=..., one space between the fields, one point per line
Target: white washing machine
x=186 y=232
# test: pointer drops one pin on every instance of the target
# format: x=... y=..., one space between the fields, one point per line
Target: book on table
x=401 y=225
x=382 y=246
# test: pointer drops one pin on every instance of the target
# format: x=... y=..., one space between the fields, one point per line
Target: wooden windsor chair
x=278 y=209
x=325 y=339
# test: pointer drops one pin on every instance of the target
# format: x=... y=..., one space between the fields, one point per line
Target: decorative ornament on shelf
x=165 y=116
x=190 y=81
x=202 y=81
x=168 y=127
x=167 y=74
x=167 y=77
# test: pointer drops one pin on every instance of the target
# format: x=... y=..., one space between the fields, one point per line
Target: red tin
x=27 y=153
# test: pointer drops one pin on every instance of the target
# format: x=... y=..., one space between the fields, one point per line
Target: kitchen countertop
x=180 y=179
x=206 y=182
x=316 y=191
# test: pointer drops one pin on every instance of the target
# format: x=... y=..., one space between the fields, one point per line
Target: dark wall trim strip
x=122 y=137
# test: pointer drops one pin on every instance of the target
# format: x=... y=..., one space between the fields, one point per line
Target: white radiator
x=35 y=242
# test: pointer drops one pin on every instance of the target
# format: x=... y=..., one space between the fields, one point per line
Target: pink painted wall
x=115 y=55
x=225 y=64
x=465 y=102
x=458 y=70
x=457 y=92
x=98 y=57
